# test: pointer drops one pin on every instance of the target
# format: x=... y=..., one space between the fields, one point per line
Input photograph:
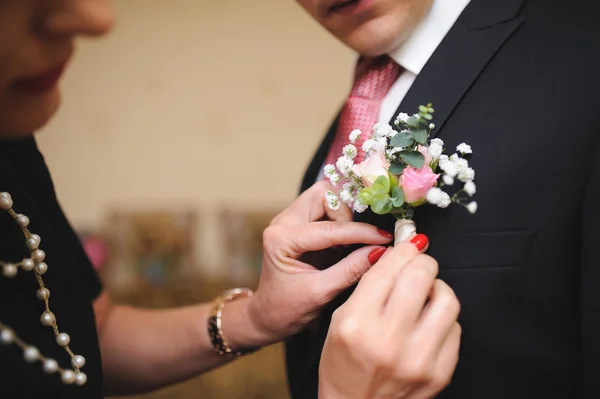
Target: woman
x=53 y=311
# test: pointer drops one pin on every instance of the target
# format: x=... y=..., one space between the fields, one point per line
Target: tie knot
x=374 y=77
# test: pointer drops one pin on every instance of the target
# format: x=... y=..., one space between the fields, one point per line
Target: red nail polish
x=375 y=255
x=420 y=241
x=385 y=234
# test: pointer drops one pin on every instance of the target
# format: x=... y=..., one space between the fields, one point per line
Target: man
x=517 y=80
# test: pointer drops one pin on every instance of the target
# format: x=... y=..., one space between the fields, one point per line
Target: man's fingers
x=311 y=206
x=294 y=241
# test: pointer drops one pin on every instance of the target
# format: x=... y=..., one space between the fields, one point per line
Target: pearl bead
x=38 y=255
x=27 y=265
x=68 y=376
x=9 y=270
x=31 y=354
x=22 y=221
x=63 y=339
x=4 y=195
x=6 y=203
x=48 y=319
x=50 y=366
x=33 y=242
x=41 y=268
x=80 y=379
x=78 y=361
x=43 y=293
x=7 y=336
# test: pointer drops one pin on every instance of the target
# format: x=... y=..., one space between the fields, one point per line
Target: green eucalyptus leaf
x=402 y=140
x=423 y=109
x=420 y=135
x=393 y=181
x=382 y=204
x=413 y=121
x=381 y=186
x=366 y=196
x=397 y=168
x=397 y=197
x=429 y=117
x=413 y=158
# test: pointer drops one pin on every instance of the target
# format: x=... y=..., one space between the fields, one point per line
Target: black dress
x=71 y=279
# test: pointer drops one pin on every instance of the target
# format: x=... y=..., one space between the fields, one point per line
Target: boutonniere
x=402 y=170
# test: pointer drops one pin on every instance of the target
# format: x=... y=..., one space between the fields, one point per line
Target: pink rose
x=369 y=170
x=426 y=154
x=417 y=182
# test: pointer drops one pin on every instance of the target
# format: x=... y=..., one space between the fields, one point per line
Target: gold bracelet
x=215 y=327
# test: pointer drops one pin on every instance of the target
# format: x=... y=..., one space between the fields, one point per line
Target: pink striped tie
x=373 y=79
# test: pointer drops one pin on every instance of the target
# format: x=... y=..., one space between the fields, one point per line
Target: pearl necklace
x=39 y=267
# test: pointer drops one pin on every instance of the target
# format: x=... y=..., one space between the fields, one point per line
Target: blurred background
x=181 y=135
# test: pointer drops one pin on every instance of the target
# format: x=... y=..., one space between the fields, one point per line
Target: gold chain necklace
x=37 y=265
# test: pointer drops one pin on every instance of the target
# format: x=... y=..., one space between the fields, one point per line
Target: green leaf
x=429 y=117
x=393 y=181
x=420 y=135
x=402 y=140
x=366 y=196
x=381 y=186
x=382 y=204
x=413 y=158
x=413 y=121
x=397 y=168
x=423 y=109
x=397 y=197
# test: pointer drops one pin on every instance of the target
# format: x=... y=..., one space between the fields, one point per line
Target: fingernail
x=420 y=241
x=375 y=255
x=385 y=234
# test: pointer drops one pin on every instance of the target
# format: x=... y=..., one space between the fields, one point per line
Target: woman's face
x=36 y=44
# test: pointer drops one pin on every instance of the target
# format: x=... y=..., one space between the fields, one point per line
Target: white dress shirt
x=414 y=53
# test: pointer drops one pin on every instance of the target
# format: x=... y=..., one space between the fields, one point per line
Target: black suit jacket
x=519 y=81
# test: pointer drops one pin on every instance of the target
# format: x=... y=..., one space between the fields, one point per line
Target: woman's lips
x=40 y=82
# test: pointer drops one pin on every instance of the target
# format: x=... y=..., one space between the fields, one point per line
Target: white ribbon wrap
x=404 y=229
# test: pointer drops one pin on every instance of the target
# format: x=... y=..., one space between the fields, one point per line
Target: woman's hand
x=396 y=336
x=291 y=293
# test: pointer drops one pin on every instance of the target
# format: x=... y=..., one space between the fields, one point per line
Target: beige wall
x=195 y=102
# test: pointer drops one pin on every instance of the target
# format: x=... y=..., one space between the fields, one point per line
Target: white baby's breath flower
x=465 y=175
x=464 y=148
x=359 y=207
x=461 y=163
x=347 y=197
x=329 y=170
x=332 y=200
x=350 y=151
x=435 y=150
x=448 y=167
x=402 y=117
x=383 y=130
x=454 y=157
x=472 y=207
x=444 y=158
x=354 y=135
x=439 y=142
x=335 y=179
x=470 y=188
x=449 y=180
x=417 y=116
x=344 y=165
x=379 y=145
x=368 y=145
x=445 y=201
x=393 y=151
x=431 y=126
x=434 y=195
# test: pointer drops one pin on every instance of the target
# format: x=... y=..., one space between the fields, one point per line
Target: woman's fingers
x=293 y=241
x=311 y=206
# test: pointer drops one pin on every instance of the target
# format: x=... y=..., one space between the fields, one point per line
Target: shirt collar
x=414 y=53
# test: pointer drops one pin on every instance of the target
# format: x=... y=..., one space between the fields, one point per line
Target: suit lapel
x=477 y=35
